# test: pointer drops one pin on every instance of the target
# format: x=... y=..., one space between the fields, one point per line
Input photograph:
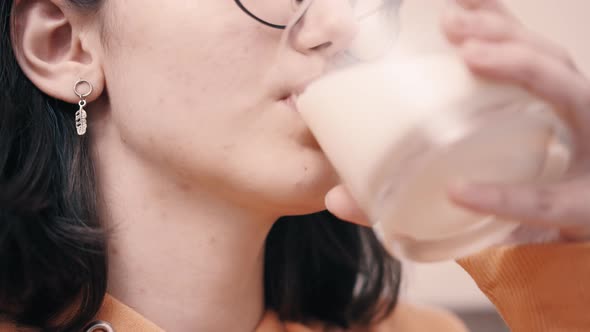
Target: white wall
x=564 y=21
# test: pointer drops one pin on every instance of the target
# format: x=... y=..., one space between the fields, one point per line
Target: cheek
x=188 y=92
x=194 y=52
x=185 y=68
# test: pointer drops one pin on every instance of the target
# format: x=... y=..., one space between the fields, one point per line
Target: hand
x=495 y=46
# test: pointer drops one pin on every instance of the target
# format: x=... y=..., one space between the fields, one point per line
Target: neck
x=182 y=257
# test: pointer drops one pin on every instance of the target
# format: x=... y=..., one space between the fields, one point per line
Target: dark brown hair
x=53 y=248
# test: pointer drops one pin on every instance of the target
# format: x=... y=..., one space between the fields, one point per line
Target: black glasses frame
x=245 y=10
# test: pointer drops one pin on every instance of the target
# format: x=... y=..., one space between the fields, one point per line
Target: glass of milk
x=400 y=131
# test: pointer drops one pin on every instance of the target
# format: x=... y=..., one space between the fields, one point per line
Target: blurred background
x=565 y=22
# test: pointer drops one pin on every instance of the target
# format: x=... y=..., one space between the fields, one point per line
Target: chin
x=307 y=195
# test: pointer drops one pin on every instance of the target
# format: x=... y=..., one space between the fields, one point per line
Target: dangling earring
x=81 y=123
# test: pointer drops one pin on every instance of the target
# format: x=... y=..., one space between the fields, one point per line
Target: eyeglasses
x=377 y=21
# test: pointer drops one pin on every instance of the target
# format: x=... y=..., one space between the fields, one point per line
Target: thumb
x=340 y=203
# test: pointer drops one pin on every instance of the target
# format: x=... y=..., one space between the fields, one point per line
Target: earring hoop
x=81 y=115
x=80 y=83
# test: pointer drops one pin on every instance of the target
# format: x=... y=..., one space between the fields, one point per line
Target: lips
x=291 y=102
x=290 y=92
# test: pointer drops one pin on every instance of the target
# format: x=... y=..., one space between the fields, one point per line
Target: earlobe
x=51 y=50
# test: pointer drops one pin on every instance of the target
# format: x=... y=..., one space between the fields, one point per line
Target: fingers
x=511 y=202
x=461 y=25
x=562 y=206
x=341 y=204
x=544 y=76
x=497 y=47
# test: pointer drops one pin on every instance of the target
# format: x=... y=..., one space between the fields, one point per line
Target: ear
x=56 y=45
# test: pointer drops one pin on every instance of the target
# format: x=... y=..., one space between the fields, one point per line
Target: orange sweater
x=536 y=288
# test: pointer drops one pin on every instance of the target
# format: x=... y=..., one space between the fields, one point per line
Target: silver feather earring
x=81 y=115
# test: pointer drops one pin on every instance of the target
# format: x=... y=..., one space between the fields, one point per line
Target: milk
x=399 y=132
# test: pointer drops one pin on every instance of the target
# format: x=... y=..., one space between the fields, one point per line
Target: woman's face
x=198 y=89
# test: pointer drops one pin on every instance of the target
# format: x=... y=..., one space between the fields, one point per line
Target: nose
x=328 y=27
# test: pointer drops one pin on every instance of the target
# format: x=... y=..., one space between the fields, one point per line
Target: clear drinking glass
x=399 y=131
